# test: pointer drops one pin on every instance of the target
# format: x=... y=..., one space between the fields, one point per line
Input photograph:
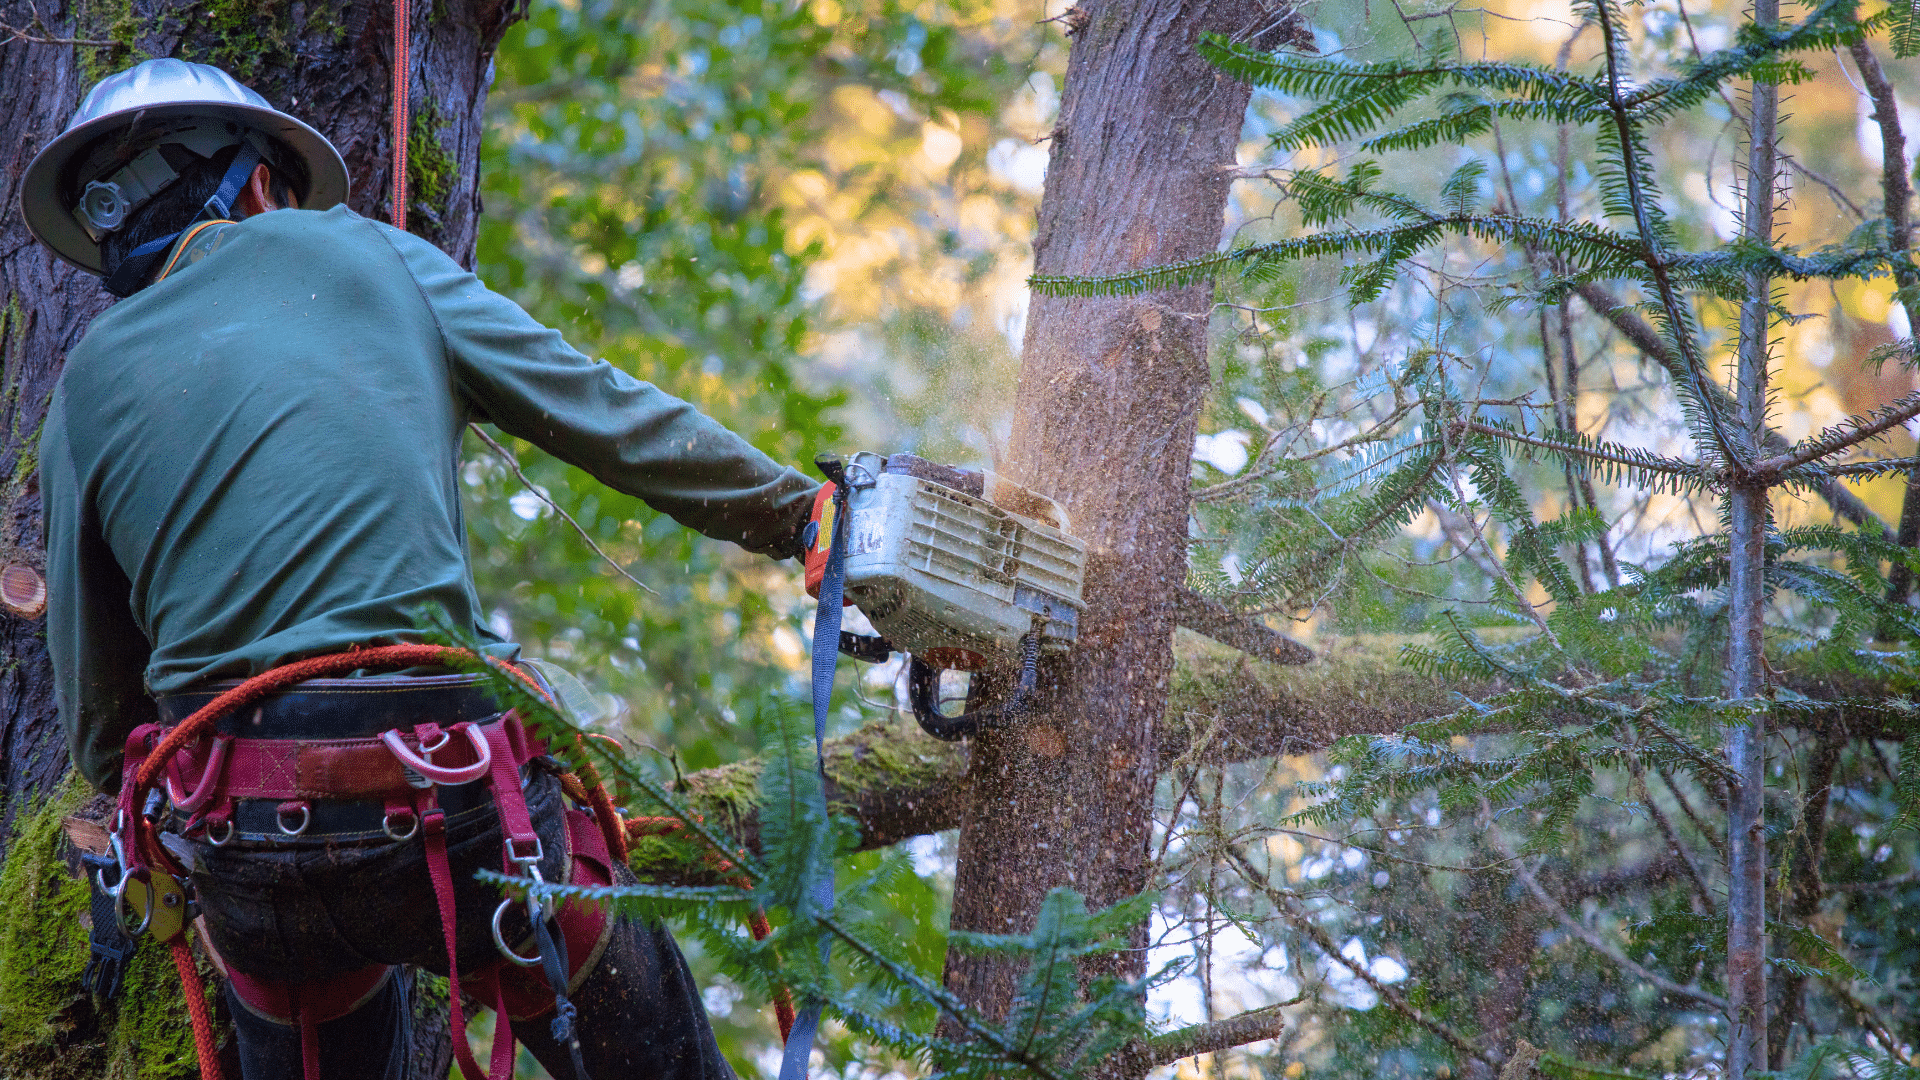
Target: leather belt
x=342 y=708
x=328 y=760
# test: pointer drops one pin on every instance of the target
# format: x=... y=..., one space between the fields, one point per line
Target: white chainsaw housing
x=934 y=568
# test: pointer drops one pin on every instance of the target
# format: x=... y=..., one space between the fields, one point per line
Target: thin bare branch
x=1255 y=1025
x=1283 y=904
x=1604 y=947
x=14 y=33
x=514 y=464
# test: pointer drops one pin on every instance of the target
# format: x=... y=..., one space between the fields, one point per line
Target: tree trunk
x=1748 y=511
x=1105 y=420
x=326 y=61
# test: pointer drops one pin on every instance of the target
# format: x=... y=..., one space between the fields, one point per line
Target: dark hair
x=179 y=206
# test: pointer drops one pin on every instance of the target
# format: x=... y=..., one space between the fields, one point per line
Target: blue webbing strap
x=826 y=656
x=134 y=270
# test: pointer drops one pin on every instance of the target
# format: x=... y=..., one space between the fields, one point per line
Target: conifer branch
x=1252 y=1026
x=1836 y=439
x=1610 y=253
x=1645 y=338
x=1283 y=905
x=1582 y=448
x=1691 y=372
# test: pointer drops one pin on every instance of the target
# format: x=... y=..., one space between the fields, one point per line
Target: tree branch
x=1645 y=338
x=897 y=782
x=1283 y=905
x=1570 y=447
x=14 y=33
x=1603 y=947
x=514 y=464
x=1896 y=192
x=1229 y=627
x=1834 y=440
x=1255 y=1025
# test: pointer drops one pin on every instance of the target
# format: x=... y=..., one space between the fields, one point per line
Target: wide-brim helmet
x=128 y=113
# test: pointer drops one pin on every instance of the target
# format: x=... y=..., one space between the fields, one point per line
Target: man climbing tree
x=229 y=490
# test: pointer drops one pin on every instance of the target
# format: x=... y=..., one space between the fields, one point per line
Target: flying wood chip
x=23 y=591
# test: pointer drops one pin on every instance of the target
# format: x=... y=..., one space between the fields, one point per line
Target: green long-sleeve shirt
x=256 y=459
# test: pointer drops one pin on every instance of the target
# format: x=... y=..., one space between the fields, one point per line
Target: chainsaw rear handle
x=923 y=695
x=923 y=688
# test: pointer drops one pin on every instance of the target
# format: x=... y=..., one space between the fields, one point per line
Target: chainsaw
x=964 y=570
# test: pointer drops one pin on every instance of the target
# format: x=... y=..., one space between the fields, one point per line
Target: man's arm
x=99 y=653
x=631 y=435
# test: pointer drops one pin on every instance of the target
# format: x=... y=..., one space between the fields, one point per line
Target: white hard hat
x=97 y=172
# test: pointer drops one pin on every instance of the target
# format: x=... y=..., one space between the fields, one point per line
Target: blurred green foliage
x=637 y=188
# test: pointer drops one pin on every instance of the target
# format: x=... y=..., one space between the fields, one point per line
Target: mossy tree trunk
x=1110 y=391
x=327 y=61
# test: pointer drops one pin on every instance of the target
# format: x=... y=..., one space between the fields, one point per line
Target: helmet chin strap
x=132 y=273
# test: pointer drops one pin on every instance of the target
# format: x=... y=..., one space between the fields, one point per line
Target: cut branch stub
x=23 y=591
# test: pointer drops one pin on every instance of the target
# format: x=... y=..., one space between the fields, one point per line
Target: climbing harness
x=411 y=776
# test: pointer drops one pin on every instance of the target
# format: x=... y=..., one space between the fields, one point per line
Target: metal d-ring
x=413 y=827
x=221 y=840
x=120 y=905
x=306 y=818
x=500 y=940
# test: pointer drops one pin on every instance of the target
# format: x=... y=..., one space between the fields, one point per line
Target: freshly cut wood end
x=88 y=836
x=23 y=591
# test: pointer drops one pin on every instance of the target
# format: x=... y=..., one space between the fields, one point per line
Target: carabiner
x=465 y=774
x=500 y=941
x=536 y=911
x=209 y=777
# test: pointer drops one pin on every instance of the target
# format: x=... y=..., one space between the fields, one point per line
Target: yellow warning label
x=825 y=540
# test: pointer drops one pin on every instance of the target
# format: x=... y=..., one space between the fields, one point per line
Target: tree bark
x=326 y=61
x=1748 y=511
x=1109 y=393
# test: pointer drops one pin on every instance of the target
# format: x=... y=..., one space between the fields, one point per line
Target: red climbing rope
x=196 y=995
x=402 y=84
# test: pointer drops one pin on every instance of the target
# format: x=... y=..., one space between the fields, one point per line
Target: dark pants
x=298 y=913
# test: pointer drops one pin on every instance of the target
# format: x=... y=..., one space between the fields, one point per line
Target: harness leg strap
x=433 y=830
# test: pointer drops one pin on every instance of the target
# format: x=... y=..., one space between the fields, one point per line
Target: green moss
x=431 y=171
x=29 y=462
x=43 y=943
x=888 y=756
x=245 y=37
x=152 y=1034
x=878 y=757
x=107 y=20
x=49 y=1028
